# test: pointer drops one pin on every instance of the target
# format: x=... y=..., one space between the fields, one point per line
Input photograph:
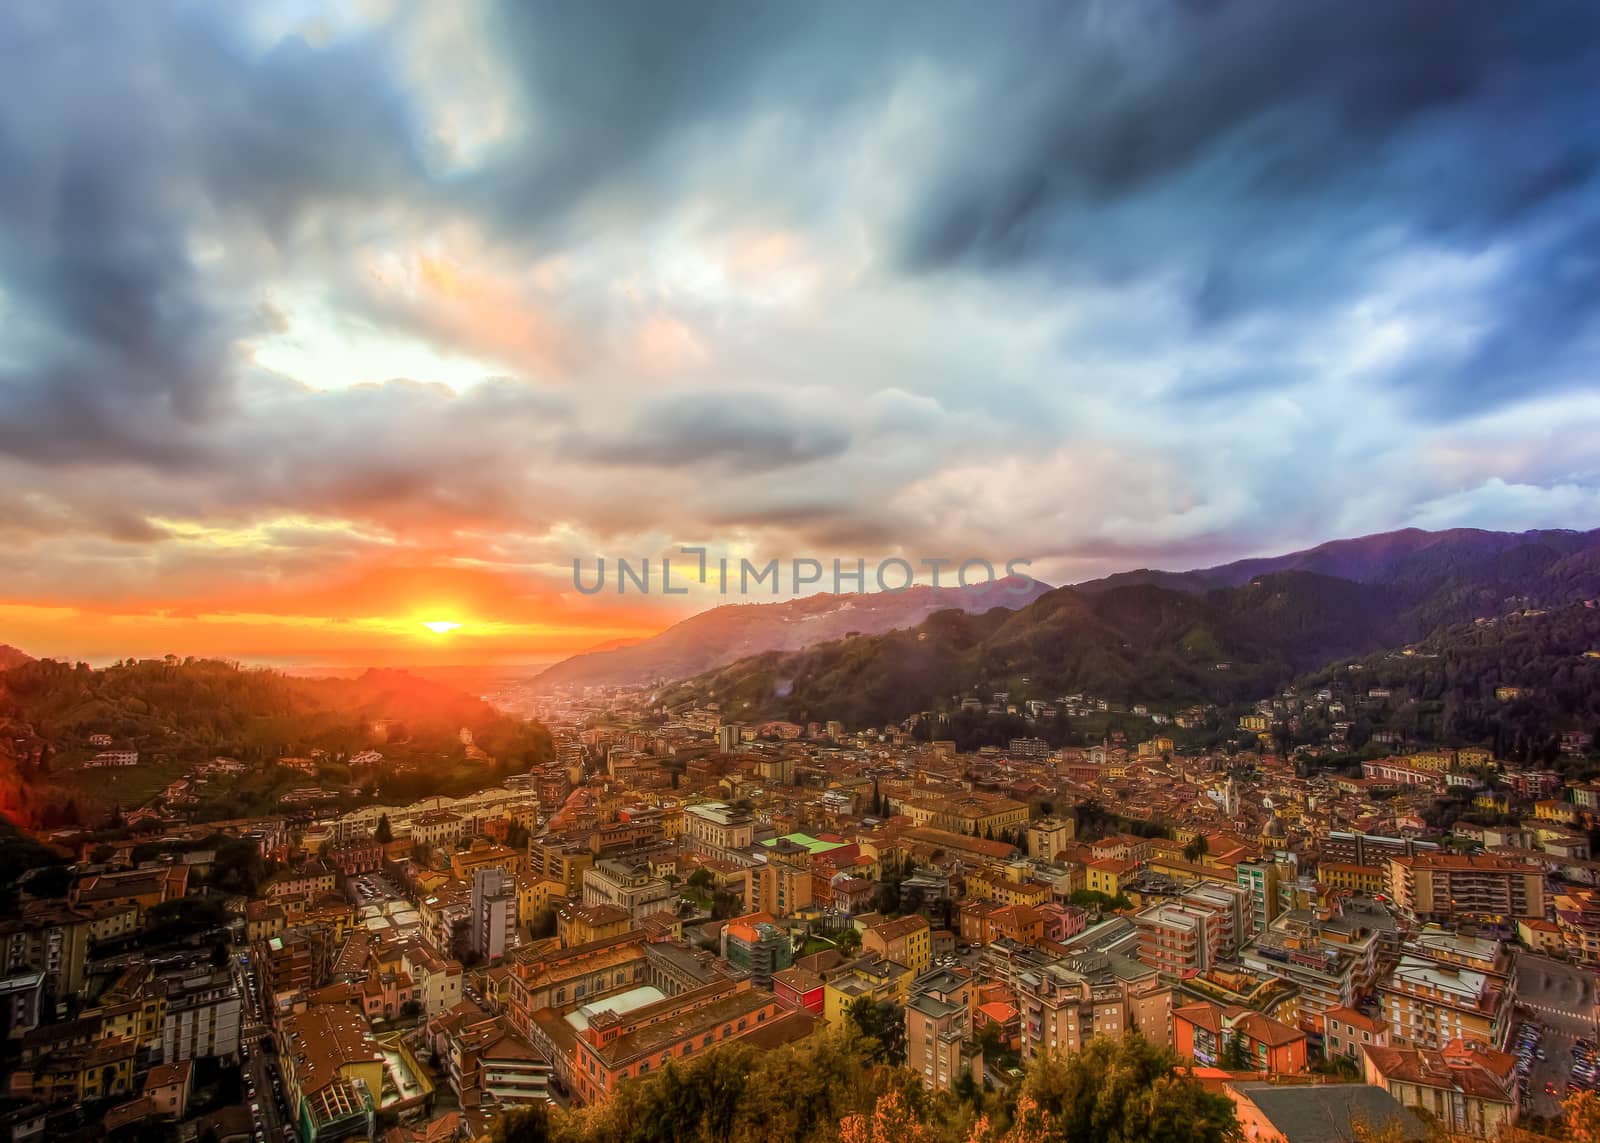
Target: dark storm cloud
x=610 y=88
x=1086 y=244
x=1256 y=149
x=126 y=133
x=747 y=433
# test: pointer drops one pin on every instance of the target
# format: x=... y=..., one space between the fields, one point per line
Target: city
x=754 y=571
x=663 y=881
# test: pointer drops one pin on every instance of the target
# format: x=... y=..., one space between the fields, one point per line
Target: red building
x=797 y=988
x=1201 y=1031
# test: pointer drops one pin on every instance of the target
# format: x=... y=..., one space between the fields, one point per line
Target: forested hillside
x=1449 y=687
x=1139 y=642
x=1132 y=644
x=175 y=712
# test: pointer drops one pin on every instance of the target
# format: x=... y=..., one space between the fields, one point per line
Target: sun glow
x=441 y=626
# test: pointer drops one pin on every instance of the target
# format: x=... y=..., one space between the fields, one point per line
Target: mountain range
x=11 y=657
x=1226 y=634
x=733 y=631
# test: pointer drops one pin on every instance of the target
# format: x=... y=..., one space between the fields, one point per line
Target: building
x=1468 y=1091
x=53 y=940
x=356 y=856
x=1365 y=879
x=1179 y=940
x=492 y=925
x=1442 y=886
x=584 y=924
x=167 y=1087
x=713 y=826
x=1428 y=1003
x=1049 y=836
x=757 y=946
x=1201 y=1032
x=1259 y=880
x=1347 y=1032
x=629 y=886
x=201 y=1016
x=613 y=1046
x=937 y=1028
x=868 y=976
x=798 y=988
x=907 y=941
x=332 y=1071
x=1063 y=1004
x=1323 y=1113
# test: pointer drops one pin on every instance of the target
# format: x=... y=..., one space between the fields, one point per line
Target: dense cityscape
x=1310 y=917
x=800 y=571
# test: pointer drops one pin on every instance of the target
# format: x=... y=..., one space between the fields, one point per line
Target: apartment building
x=1049 y=836
x=1445 y=886
x=1469 y=1092
x=492 y=924
x=907 y=941
x=1428 y=1003
x=201 y=1016
x=1179 y=940
x=937 y=1028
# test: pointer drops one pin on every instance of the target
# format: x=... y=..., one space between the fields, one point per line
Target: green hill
x=1142 y=642
x=178 y=712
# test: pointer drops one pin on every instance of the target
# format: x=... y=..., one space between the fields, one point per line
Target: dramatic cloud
x=310 y=321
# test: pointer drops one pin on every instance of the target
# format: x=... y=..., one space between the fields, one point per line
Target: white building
x=493 y=920
x=201 y=1017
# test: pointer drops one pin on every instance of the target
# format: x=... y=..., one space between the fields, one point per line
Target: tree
x=529 y=1124
x=1235 y=1057
x=849 y=940
x=894 y=1119
x=385 y=832
x=50 y=881
x=1580 y=1111
x=1197 y=848
x=219 y=955
x=887 y=898
x=238 y=866
x=1125 y=1089
x=883 y=1024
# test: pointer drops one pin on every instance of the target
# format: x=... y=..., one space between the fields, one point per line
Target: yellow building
x=327 y=1056
x=907 y=941
x=1367 y=879
x=581 y=924
x=484 y=854
x=534 y=896
x=1438 y=760
x=1006 y=885
x=1108 y=876
x=870 y=976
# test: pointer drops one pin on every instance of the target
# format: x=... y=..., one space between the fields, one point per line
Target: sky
x=322 y=321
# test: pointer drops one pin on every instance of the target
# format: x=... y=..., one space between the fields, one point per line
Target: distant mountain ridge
x=11 y=657
x=1388 y=557
x=1225 y=634
x=724 y=634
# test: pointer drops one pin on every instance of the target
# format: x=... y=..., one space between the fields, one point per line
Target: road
x=262 y=1095
x=1561 y=998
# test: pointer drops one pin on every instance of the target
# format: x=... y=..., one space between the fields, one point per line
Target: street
x=263 y=1085
x=1561 y=999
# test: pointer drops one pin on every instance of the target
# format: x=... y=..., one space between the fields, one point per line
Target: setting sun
x=441 y=626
